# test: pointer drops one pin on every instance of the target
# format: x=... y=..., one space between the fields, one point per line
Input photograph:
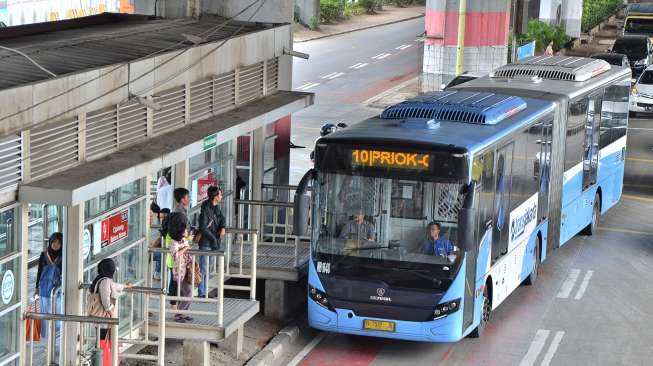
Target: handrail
x=282 y=186
x=234 y=230
x=137 y=289
x=147 y=291
x=264 y=203
x=212 y=253
x=70 y=318
x=51 y=326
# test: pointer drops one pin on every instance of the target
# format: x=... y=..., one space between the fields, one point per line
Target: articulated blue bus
x=426 y=218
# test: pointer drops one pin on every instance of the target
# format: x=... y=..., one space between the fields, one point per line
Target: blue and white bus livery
x=499 y=163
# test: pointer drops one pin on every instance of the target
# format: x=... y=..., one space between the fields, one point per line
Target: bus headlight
x=635 y=92
x=319 y=297
x=444 y=309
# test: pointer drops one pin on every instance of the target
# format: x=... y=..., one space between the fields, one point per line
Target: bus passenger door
x=591 y=145
x=544 y=170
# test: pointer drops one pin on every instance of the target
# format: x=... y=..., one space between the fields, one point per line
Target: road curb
x=277 y=346
x=359 y=29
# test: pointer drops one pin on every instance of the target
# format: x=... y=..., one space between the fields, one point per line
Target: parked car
x=641 y=98
x=617 y=59
x=468 y=76
x=638 y=50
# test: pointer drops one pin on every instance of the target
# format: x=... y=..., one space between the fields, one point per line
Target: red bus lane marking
x=327 y=353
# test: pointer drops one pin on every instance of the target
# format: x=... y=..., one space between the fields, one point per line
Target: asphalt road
x=344 y=71
x=592 y=300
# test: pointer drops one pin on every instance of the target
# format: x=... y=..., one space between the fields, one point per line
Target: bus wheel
x=486 y=308
x=530 y=280
x=596 y=213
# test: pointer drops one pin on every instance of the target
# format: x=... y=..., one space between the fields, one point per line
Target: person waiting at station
x=436 y=245
x=357 y=228
x=48 y=277
x=182 y=201
x=211 y=230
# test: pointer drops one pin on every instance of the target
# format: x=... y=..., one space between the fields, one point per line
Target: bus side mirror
x=467 y=219
x=302 y=203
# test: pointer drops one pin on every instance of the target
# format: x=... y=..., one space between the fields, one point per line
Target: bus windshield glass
x=372 y=227
x=639 y=26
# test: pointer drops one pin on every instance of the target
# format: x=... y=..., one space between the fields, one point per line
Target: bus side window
x=502 y=200
x=485 y=176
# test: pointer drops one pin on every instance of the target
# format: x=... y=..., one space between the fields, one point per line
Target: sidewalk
x=388 y=15
x=398 y=94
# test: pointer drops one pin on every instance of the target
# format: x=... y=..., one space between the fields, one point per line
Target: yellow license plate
x=378 y=325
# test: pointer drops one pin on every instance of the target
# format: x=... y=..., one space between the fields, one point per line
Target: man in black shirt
x=212 y=229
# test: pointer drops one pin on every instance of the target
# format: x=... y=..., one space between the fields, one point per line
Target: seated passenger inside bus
x=357 y=228
x=436 y=245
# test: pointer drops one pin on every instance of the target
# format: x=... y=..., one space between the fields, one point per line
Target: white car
x=641 y=98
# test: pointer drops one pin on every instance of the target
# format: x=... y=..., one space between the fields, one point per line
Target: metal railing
x=218 y=269
x=159 y=358
x=276 y=218
x=67 y=318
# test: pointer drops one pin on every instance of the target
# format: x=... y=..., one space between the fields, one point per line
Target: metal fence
x=215 y=263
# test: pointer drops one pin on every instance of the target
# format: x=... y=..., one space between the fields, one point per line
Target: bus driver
x=358 y=228
x=435 y=245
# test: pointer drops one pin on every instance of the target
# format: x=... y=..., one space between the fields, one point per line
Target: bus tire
x=486 y=309
x=593 y=226
x=532 y=277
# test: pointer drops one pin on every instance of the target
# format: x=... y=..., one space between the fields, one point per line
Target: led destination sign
x=390 y=159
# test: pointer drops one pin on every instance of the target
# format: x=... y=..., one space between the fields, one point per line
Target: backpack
x=94 y=304
x=50 y=278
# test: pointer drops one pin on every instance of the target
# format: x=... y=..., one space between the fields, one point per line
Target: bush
x=594 y=11
x=314 y=23
x=543 y=33
x=331 y=10
x=370 y=6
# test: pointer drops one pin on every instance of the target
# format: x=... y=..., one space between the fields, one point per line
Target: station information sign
x=115 y=228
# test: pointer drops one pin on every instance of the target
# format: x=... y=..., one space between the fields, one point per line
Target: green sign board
x=210 y=141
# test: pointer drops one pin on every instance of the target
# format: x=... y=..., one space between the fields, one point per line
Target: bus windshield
x=639 y=25
x=373 y=227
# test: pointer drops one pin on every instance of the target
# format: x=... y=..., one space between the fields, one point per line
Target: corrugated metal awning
x=76 y=185
x=88 y=43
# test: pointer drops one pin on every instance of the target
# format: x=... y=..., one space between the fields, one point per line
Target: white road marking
x=355 y=65
x=381 y=56
x=640 y=129
x=336 y=75
x=553 y=347
x=307 y=349
x=360 y=66
x=403 y=46
x=420 y=39
x=328 y=75
x=569 y=283
x=303 y=86
x=535 y=348
x=308 y=86
x=583 y=285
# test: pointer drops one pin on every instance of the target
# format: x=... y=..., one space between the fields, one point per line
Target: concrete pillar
x=73 y=275
x=276 y=300
x=234 y=343
x=572 y=12
x=486 y=38
x=258 y=142
x=306 y=10
x=278 y=11
x=196 y=353
x=180 y=175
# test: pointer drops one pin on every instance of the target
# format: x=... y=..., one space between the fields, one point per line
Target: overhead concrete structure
x=486 y=38
x=564 y=13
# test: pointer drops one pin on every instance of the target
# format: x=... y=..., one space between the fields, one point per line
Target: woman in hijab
x=164 y=193
x=48 y=277
x=108 y=289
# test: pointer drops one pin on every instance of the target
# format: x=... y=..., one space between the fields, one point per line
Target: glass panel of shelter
x=10 y=286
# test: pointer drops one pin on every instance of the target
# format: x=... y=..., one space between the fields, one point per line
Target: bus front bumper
x=447 y=329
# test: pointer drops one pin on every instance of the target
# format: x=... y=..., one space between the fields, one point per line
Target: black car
x=638 y=49
x=617 y=59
